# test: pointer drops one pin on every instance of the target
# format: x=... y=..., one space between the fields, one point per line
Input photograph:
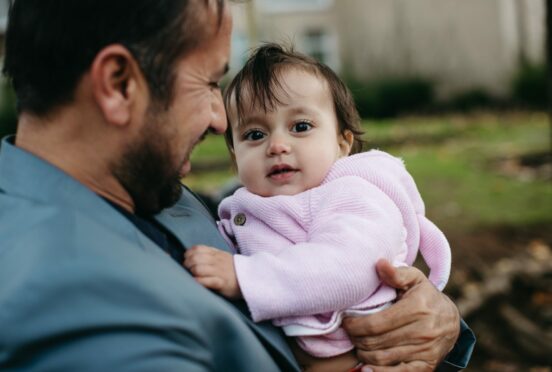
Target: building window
x=315 y=44
x=322 y=45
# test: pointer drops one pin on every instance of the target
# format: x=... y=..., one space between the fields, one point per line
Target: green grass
x=212 y=148
x=456 y=161
x=460 y=177
x=459 y=193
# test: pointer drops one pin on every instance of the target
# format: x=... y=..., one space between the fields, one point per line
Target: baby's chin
x=288 y=190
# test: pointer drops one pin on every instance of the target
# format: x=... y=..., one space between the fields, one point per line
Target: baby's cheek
x=249 y=169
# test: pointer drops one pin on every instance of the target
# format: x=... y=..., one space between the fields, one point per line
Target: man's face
x=153 y=166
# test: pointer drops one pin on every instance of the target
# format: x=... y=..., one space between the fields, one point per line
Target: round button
x=239 y=219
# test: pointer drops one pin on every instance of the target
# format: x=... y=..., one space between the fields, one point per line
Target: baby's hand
x=213 y=269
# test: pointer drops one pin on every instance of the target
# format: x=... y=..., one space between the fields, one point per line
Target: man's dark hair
x=50 y=44
x=260 y=79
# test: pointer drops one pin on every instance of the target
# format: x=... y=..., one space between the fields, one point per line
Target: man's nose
x=218 y=114
x=278 y=145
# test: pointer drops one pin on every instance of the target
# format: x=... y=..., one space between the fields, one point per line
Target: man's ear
x=117 y=83
x=345 y=141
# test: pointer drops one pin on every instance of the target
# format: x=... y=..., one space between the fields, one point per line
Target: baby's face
x=291 y=148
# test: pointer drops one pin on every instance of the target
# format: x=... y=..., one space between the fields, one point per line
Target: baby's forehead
x=282 y=73
x=254 y=97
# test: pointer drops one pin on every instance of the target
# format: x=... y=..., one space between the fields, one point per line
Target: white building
x=458 y=44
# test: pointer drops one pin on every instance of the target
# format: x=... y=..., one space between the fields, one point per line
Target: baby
x=312 y=219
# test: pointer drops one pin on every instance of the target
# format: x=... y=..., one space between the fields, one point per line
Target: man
x=112 y=97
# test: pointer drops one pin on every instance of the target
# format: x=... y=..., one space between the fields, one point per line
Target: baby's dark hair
x=260 y=79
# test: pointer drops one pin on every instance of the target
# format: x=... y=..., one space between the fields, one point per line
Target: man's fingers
x=423 y=324
x=401 y=278
x=396 y=316
x=395 y=338
x=414 y=366
x=403 y=356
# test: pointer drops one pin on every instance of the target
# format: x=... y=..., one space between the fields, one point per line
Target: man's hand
x=415 y=333
x=213 y=269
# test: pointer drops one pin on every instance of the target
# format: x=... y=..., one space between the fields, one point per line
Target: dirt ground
x=508 y=305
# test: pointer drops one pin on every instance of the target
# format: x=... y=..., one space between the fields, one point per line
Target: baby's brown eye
x=253 y=135
x=301 y=126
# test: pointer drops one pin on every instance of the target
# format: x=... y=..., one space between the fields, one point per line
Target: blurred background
x=460 y=91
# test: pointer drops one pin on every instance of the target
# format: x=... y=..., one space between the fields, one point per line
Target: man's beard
x=147 y=172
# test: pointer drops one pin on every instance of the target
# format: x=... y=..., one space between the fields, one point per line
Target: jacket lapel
x=191 y=223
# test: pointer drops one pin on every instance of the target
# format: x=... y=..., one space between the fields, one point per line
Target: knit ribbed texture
x=307 y=259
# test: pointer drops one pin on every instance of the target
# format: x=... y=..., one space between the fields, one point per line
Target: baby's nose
x=278 y=146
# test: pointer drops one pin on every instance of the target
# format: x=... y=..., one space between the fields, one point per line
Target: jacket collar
x=28 y=176
x=25 y=175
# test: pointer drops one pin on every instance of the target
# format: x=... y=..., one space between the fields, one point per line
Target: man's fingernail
x=367 y=369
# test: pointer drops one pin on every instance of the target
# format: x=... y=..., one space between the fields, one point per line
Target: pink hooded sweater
x=307 y=260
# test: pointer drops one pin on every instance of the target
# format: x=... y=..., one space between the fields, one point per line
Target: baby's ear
x=345 y=141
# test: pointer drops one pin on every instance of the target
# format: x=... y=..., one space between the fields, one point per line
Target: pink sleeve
x=435 y=250
x=353 y=225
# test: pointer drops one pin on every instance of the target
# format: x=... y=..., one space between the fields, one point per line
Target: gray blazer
x=82 y=289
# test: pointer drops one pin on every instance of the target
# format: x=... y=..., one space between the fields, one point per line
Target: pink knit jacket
x=307 y=260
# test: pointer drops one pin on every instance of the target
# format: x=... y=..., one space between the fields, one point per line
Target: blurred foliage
x=470 y=100
x=390 y=97
x=529 y=86
x=8 y=117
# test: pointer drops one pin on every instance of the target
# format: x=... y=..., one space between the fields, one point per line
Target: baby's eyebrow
x=302 y=110
x=246 y=121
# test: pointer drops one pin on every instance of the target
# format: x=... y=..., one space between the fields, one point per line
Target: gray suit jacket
x=81 y=289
